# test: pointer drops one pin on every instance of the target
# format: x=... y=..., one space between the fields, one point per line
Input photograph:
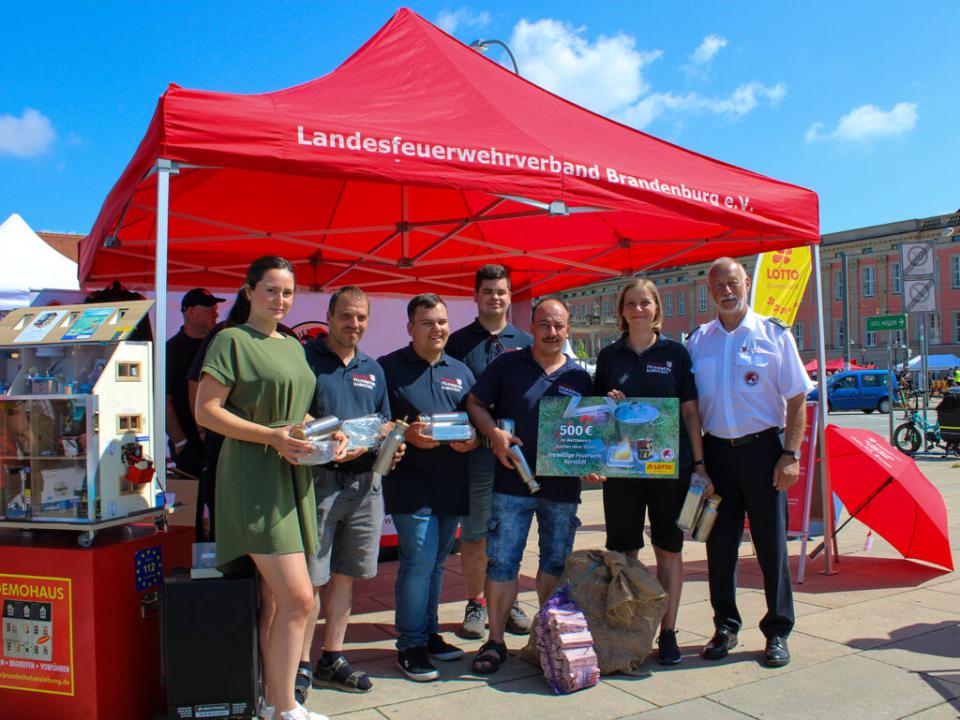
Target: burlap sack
x=623 y=604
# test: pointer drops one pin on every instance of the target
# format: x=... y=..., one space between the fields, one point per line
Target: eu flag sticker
x=149 y=567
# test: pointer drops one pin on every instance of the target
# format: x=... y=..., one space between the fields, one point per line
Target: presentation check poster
x=635 y=437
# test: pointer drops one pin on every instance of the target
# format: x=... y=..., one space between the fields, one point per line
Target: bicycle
x=908 y=437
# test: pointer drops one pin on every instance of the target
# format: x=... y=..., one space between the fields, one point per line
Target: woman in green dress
x=255 y=387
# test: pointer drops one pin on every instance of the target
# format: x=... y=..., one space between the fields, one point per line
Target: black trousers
x=743 y=477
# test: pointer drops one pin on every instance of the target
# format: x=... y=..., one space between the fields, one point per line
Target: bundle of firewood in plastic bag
x=566 y=645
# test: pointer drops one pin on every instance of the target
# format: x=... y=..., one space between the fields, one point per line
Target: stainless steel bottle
x=317 y=429
x=520 y=463
x=707 y=518
x=389 y=446
x=505 y=424
x=449 y=418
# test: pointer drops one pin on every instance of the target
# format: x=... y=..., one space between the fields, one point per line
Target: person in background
x=428 y=491
x=751 y=384
x=641 y=364
x=477 y=345
x=511 y=387
x=255 y=388
x=199 y=309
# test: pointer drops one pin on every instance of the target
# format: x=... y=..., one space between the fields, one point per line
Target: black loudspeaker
x=210 y=657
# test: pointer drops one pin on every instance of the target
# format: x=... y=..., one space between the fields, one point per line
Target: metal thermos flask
x=692 y=504
x=450 y=418
x=316 y=429
x=520 y=463
x=707 y=518
x=389 y=446
x=505 y=424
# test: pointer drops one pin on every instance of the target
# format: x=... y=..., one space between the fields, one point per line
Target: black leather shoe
x=777 y=654
x=722 y=642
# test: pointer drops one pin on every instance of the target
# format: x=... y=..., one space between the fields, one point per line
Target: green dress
x=264 y=504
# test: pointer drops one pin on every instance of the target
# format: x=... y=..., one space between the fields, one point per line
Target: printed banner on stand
x=779 y=282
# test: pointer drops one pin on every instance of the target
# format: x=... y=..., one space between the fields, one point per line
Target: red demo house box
x=80 y=633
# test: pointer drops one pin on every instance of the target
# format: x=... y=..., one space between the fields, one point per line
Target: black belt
x=745 y=439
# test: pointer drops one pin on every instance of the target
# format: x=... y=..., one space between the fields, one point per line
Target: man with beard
x=751 y=384
x=477 y=345
x=511 y=387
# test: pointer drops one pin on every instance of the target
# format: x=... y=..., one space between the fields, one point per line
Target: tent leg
x=826 y=486
x=164 y=169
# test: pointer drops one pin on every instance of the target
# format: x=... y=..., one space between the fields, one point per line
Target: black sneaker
x=669 y=652
x=414 y=663
x=440 y=649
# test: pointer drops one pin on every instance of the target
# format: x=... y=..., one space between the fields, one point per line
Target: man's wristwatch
x=795 y=454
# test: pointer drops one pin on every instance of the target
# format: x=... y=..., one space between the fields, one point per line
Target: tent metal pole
x=159 y=432
x=826 y=486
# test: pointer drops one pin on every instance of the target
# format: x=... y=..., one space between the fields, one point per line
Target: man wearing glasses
x=477 y=345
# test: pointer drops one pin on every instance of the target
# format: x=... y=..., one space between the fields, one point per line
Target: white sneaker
x=265 y=711
x=301 y=713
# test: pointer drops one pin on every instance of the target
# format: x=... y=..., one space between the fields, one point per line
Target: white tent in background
x=936 y=362
x=29 y=264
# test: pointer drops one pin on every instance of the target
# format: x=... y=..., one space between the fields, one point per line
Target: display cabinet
x=76 y=442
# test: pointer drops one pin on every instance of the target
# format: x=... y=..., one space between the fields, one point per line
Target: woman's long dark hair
x=240 y=312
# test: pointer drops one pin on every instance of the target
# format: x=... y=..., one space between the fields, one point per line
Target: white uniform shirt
x=744 y=377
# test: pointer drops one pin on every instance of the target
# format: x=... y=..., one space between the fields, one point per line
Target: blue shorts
x=509 y=526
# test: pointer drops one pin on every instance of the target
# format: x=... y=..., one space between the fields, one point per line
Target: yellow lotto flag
x=779 y=282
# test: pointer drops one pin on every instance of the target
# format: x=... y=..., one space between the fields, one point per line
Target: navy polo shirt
x=513 y=385
x=477 y=347
x=435 y=478
x=348 y=391
x=663 y=370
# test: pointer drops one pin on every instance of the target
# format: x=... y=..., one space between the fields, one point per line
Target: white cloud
x=603 y=75
x=450 y=20
x=699 y=62
x=30 y=134
x=607 y=75
x=868 y=122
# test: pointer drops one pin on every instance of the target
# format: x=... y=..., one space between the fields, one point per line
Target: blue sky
x=858 y=101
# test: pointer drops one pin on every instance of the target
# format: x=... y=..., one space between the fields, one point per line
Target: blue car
x=857 y=390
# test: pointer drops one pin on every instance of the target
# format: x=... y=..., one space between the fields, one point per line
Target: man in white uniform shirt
x=751 y=383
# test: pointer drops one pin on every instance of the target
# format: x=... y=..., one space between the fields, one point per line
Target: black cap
x=199 y=296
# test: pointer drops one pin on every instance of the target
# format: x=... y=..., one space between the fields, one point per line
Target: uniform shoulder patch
x=778 y=322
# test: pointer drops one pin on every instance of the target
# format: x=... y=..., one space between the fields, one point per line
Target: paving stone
x=937 y=650
x=851 y=687
x=698 y=709
x=944 y=711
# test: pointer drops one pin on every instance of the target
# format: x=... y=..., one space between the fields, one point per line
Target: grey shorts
x=349 y=521
x=481 y=465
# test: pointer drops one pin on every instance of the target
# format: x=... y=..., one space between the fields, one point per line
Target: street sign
x=919 y=295
x=917 y=259
x=879 y=323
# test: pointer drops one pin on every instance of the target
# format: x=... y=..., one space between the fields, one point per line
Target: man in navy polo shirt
x=477 y=345
x=428 y=491
x=350 y=384
x=512 y=387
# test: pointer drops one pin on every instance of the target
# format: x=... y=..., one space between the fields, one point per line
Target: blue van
x=857 y=390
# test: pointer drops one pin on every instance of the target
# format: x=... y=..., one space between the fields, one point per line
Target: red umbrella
x=889 y=494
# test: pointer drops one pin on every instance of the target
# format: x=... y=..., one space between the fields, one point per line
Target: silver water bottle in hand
x=388 y=448
x=523 y=469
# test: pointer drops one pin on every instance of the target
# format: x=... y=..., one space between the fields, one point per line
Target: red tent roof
x=412 y=163
x=835 y=365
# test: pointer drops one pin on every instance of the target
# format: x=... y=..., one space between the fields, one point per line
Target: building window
x=869 y=281
x=956 y=327
x=896 y=279
x=607 y=309
x=838 y=285
x=701 y=298
x=668 y=305
x=681 y=303
x=798 y=335
x=896 y=337
x=955 y=271
x=869 y=337
x=934 y=328
x=838 y=334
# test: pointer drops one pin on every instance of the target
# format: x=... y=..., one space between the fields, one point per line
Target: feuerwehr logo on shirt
x=365 y=381
x=659 y=368
x=569 y=392
x=451 y=384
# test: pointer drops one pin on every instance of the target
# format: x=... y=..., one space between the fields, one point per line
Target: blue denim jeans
x=510 y=522
x=425 y=541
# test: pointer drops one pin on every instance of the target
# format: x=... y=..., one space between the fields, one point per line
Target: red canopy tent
x=834 y=365
x=412 y=163
x=407 y=167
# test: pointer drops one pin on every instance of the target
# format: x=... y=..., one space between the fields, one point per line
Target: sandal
x=301 y=685
x=340 y=676
x=490 y=657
